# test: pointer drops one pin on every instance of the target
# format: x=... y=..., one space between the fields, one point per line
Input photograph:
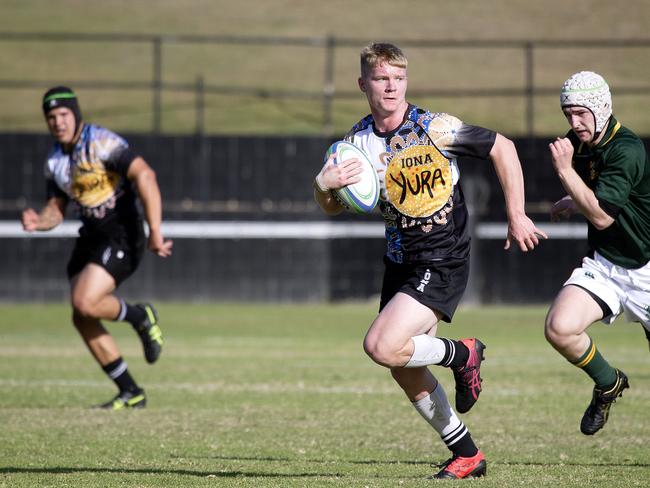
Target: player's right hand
x=561 y=154
x=30 y=219
x=334 y=176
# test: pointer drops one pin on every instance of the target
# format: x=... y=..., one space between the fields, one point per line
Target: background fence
x=240 y=207
x=320 y=71
x=245 y=225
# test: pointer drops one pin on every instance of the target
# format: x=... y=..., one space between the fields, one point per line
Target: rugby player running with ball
x=428 y=242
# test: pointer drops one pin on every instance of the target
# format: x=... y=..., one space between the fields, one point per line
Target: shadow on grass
x=179 y=472
x=310 y=461
x=259 y=474
x=414 y=462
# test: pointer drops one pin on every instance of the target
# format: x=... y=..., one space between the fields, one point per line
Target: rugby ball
x=360 y=197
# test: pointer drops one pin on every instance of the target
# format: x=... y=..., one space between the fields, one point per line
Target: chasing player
x=96 y=170
x=605 y=171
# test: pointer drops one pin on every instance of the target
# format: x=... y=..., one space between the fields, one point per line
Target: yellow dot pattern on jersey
x=419 y=181
x=94 y=186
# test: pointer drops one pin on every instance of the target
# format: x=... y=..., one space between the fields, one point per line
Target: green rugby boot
x=126 y=399
x=150 y=333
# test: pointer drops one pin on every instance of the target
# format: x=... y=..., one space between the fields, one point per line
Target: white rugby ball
x=360 y=197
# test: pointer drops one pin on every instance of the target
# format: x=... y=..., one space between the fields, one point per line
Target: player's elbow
x=502 y=146
x=146 y=177
x=602 y=222
x=328 y=204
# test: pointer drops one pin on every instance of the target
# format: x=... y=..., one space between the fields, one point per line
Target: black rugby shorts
x=119 y=256
x=438 y=285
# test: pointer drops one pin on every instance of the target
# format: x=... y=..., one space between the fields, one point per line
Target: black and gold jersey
x=421 y=200
x=93 y=176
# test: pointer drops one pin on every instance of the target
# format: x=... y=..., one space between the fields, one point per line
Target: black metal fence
x=156 y=85
x=248 y=228
x=262 y=183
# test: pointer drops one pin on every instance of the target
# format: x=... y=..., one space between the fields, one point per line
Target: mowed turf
x=283 y=395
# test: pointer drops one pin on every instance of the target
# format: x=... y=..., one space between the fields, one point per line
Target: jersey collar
x=612 y=128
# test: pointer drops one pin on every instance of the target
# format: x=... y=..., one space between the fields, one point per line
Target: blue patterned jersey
x=93 y=177
x=421 y=199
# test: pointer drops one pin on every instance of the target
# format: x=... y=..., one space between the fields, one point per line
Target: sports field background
x=283 y=395
x=300 y=68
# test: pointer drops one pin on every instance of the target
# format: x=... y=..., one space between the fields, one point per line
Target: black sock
x=465 y=446
x=133 y=314
x=456 y=354
x=118 y=371
x=647 y=333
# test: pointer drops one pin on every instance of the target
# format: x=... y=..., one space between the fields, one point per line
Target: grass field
x=283 y=395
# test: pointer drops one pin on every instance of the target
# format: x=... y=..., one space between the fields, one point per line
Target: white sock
x=122 y=314
x=436 y=410
x=426 y=350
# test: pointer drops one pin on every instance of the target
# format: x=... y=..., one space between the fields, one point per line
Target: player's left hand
x=523 y=232
x=563 y=209
x=159 y=246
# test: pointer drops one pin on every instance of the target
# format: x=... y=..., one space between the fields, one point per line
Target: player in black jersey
x=95 y=169
x=415 y=154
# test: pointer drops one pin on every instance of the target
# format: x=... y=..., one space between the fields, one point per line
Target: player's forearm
x=149 y=192
x=49 y=218
x=584 y=199
x=508 y=169
x=326 y=201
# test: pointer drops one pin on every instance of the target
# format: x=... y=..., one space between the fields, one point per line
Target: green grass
x=296 y=68
x=283 y=395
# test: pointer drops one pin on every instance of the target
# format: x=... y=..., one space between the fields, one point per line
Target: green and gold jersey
x=617 y=169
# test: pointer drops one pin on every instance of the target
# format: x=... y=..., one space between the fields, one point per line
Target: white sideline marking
x=286 y=230
x=261 y=388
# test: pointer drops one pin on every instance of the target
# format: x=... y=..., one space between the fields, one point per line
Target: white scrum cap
x=590 y=90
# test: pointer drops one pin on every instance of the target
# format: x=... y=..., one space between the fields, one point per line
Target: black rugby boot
x=597 y=412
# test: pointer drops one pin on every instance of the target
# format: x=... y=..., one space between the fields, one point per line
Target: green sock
x=595 y=365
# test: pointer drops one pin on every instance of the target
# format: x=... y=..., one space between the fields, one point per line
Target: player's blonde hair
x=381 y=52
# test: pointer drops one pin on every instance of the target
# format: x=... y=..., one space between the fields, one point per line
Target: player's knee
x=369 y=347
x=557 y=328
x=381 y=352
x=82 y=306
